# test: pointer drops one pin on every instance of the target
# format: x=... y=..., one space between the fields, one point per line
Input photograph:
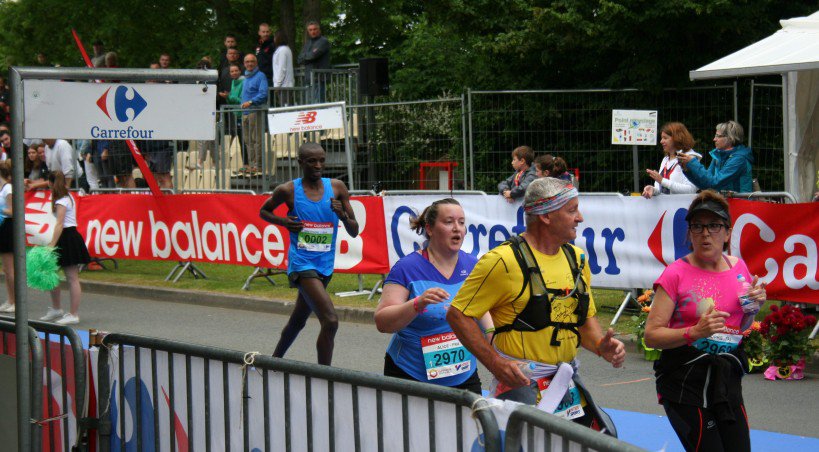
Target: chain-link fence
x=765 y=135
x=576 y=125
x=402 y=146
x=466 y=142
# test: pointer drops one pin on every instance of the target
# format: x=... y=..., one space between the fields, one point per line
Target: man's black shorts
x=296 y=276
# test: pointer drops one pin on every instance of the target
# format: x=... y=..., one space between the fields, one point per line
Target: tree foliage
x=433 y=47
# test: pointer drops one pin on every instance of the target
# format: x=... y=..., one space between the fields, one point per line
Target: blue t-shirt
x=417 y=274
x=314 y=247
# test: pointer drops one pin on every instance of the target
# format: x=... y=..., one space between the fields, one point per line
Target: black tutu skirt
x=6 y=236
x=71 y=248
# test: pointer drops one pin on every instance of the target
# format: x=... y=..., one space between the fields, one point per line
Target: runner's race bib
x=571 y=407
x=718 y=343
x=444 y=356
x=315 y=237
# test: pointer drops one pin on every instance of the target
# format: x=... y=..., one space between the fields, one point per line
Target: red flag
x=143 y=165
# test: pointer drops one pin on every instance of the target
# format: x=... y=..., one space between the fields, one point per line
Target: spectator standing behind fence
x=675 y=139
x=731 y=162
x=35 y=168
x=283 y=76
x=117 y=163
x=233 y=97
x=315 y=54
x=514 y=187
x=71 y=251
x=315 y=207
x=543 y=165
x=60 y=156
x=254 y=95
x=99 y=54
x=159 y=156
x=264 y=52
x=7 y=234
x=417 y=294
x=697 y=320
x=537 y=288
x=225 y=78
x=224 y=57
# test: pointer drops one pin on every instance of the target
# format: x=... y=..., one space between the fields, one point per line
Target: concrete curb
x=217 y=300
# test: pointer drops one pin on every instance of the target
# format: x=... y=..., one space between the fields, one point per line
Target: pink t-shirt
x=694 y=290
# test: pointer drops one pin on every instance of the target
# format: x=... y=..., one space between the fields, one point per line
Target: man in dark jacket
x=315 y=55
x=264 y=52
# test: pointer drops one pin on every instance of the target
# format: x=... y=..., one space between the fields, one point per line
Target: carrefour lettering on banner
x=119 y=111
x=321 y=118
x=781 y=251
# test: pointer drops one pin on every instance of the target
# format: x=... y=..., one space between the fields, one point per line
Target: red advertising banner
x=217 y=228
x=778 y=242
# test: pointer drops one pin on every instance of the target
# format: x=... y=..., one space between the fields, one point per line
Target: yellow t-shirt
x=494 y=283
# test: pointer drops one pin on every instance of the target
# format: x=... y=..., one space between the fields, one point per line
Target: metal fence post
x=471 y=148
x=751 y=117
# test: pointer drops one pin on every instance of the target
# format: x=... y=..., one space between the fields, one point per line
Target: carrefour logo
x=127 y=104
x=122 y=103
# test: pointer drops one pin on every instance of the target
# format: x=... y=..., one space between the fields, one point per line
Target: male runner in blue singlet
x=315 y=206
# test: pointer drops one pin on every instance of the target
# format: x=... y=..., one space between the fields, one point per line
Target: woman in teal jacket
x=730 y=167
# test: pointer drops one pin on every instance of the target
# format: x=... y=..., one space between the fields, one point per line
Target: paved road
x=785 y=407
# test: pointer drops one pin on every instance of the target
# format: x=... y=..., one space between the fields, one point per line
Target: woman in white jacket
x=675 y=139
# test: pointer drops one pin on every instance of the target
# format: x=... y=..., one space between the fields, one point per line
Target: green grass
x=229 y=279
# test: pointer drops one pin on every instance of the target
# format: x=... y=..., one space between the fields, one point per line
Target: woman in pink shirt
x=703 y=303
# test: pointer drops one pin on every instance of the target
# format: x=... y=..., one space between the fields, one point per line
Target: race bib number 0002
x=316 y=237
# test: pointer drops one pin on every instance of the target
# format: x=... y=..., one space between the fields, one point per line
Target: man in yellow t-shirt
x=552 y=216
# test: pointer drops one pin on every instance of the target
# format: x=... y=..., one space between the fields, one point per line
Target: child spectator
x=544 y=165
x=514 y=187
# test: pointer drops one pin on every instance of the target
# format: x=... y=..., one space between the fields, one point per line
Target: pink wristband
x=687 y=337
x=415 y=305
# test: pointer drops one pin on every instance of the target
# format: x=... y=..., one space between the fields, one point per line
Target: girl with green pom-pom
x=71 y=250
x=6 y=234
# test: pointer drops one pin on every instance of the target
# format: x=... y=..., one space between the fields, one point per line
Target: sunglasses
x=697 y=228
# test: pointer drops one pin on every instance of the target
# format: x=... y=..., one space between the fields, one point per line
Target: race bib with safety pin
x=315 y=237
x=572 y=405
x=718 y=343
x=444 y=356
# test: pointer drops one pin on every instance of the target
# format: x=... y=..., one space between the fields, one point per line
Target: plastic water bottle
x=748 y=305
x=528 y=369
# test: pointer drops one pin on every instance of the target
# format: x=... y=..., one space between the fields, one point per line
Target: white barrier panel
x=628 y=240
x=171 y=407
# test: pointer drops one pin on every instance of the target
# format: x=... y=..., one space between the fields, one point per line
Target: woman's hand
x=711 y=322
x=648 y=191
x=433 y=295
x=684 y=159
x=654 y=175
x=757 y=292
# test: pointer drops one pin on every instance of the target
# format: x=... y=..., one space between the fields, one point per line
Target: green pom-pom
x=41 y=268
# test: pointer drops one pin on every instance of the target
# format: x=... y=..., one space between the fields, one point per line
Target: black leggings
x=391 y=369
x=698 y=428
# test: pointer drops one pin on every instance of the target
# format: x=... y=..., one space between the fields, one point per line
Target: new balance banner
x=217 y=228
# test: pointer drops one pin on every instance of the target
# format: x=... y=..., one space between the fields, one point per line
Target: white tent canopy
x=792 y=52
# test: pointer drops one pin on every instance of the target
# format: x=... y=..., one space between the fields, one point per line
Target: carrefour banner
x=778 y=241
x=217 y=228
x=118 y=111
x=628 y=240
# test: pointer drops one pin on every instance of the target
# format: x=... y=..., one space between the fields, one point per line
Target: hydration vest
x=538 y=311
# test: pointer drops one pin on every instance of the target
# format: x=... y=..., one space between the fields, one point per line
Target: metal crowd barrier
x=782 y=197
x=290 y=391
x=531 y=429
x=34 y=442
x=80 y=401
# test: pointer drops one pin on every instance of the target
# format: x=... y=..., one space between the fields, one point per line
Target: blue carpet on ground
x=653 y=432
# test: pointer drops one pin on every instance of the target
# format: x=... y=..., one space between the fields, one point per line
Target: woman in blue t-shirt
x=417 y=293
